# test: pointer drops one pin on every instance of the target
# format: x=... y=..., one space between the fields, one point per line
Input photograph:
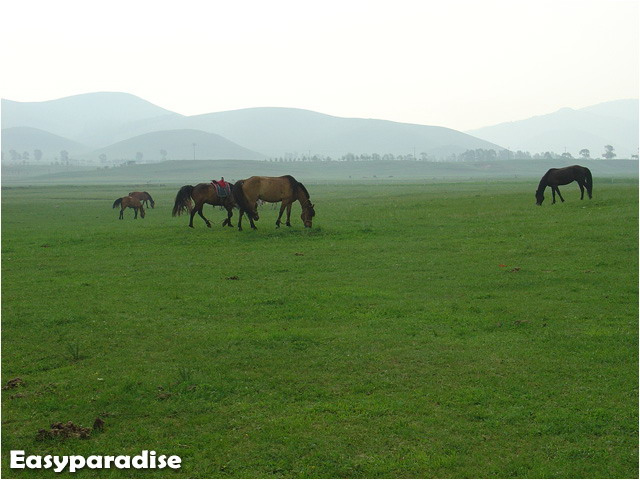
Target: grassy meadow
x=418 y=330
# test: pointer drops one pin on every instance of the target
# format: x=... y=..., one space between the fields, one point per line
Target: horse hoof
x=190 y=226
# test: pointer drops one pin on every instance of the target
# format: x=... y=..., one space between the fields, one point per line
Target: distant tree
x=566 y=155
x=37 y=155
x=585 y=153
x=103 y=158
x=15 y=156
x=25 y=155
x=608 y=153
x=163 y=154
x=520 y=155
x=505 y=154
x=64 y=156
x=634 y=157
x=548 y=156
x=139 y=156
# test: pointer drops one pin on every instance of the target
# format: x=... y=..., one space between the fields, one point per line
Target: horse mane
x=543 y=182
x=295 y=185
x=147 y=194
x=304 y=189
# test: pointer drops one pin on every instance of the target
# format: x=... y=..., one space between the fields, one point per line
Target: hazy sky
x=456 y=63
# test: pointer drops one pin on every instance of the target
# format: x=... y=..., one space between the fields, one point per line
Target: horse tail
x=241 y=200
x=588 y=181
x=183 y=200
x=117 y=203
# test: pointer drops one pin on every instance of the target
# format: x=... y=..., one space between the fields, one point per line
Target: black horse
x=564 y=176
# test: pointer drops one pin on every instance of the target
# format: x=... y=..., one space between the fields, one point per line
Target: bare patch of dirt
x=64 y=430
x=14 y=383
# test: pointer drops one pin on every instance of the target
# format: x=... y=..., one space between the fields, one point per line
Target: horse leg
x=191 y=215
x=227 y=221
x=203 y=217
x=240 y=220
x=121 y=214
x=279 y=216
x=581 y=185
x=560 y=195
x=553 y=194
x=229 y=215
x=288 y=224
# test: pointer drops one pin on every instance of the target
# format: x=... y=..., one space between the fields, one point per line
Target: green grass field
x=435 y=330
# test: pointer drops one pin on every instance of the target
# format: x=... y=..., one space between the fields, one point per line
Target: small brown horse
x=130 y=202
x=202 y=193
x=285 y=189
x=144 y=198
x=564 y=176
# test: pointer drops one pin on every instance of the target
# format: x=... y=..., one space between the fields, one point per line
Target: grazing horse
x=203 y=193
x=144 y=198
x=285 y=189
x=564 y=176
x=130 y=202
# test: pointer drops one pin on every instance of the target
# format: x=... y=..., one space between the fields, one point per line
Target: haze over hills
x=93 y=119
x=120 y=125
x=611 y=123
x=23 y=139
x=279 y=131
x=102 y=119
x=178 y=144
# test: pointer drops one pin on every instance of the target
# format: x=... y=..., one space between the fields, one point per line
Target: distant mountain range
x=120 y=125
x=612 y=123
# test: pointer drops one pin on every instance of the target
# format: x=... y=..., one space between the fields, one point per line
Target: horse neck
x=303 y=199
x=543 y=184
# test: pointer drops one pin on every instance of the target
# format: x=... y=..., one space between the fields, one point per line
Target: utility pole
x=194 y=151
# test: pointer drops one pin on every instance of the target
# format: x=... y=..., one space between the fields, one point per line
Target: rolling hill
x=280 y=131
x=94 y=119
x=27 y=139
x=102 y=119
x=178 y=144
x=611 y=123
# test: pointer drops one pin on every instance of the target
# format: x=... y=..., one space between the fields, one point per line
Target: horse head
x=308 y=213
x=539 y=197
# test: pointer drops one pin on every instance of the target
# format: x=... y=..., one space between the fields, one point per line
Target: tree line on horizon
x=469 y=155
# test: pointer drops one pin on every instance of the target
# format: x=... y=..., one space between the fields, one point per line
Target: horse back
x=269 y=189
x=130 y=201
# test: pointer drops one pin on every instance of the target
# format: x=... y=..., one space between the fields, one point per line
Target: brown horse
x=564 y=176
x=285 y=189
x=129 y=202
x=144 y=198
x=202 y=193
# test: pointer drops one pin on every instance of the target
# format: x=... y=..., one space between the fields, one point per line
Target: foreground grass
x=443 y=330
